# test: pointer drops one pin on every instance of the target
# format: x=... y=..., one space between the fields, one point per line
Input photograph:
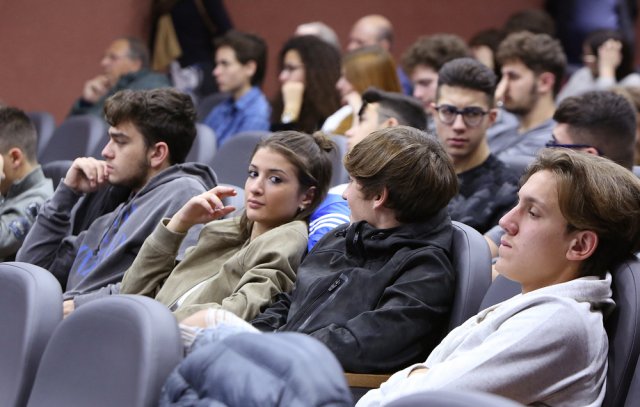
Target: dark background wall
x=49 y=49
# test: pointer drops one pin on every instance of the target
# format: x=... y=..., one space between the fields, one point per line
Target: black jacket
x=378 y=298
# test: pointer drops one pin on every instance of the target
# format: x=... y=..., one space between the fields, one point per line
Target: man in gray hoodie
x=150 y=135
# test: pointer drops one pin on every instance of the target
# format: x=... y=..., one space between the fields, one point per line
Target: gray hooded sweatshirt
x=99 y=255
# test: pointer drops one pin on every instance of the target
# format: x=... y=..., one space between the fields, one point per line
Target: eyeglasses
x=472 y=116
x=291 y=68
x=553 y=143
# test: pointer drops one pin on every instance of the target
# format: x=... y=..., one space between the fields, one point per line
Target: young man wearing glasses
x=463 y=112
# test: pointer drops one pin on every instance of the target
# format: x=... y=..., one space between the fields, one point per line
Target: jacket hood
x=200 y=172
x=437 y=230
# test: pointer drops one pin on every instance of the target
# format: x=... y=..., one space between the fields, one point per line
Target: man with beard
x=150 y=135
x=532 y=69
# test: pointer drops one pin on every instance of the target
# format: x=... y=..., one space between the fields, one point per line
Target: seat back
x=339 y=174
x=472 y=262
x=77 y=136
x=501 y=289
x=45 y=124
x=633 y=395
x=31 y=303
x=56 y=170
x=517 y=163
x=237 y=201
x=232 y=159
x=203 y=149
x=449 y=398
x=207 y=103
x=116 y=351
x=623 y=329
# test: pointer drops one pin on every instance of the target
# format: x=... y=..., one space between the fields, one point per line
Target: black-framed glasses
x=553 y=143
x=471 y=116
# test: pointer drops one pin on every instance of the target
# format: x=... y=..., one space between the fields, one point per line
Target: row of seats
x=87 y=135
x=130 y=343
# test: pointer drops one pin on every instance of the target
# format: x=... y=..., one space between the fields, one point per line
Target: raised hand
x=86 y=175
x=202 y=208
x=609 y=58
x=95 y=88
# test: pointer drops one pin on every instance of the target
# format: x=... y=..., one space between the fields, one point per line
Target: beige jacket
x=222 y=270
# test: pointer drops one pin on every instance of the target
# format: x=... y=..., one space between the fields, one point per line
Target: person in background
x=309 y=70
x=632 y=94
x=422 y=61
x=374 y=29
x=363 y=68
x=125 y=65
x=532 y=68
x=23 y=185
x=241 y=61
x=320 y=30
x=608 y=61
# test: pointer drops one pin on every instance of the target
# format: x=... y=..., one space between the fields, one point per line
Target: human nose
x=284 y=76
x=501 y=89
x=508 y=222
x=107 y=152
x=458 y=122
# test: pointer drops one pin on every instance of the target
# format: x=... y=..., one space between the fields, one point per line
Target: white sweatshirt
x=545 y=347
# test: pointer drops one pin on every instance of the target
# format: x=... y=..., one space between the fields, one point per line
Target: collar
x=32 y=179
x=247 y=99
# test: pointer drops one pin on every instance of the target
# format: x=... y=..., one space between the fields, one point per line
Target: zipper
x=332 y=290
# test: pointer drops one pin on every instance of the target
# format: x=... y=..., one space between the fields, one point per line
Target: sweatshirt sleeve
x=49 y=244
x=154 y=262
x=417 y=305
x=530 y=358
x=270 y=264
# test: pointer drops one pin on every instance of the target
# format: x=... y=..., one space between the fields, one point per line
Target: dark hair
x=310 y=155
x=322 y=71
x=414 y=168
x=533 y=20
x=468 y=73
x=247 y=47
x=598 y=195
x=596 y=38
x=434 y=51
x=405 y=109
x=604 y=120
x=17 y=130
x=163 y=114
x=538 y=52
x=491 y=38
x=138 y=51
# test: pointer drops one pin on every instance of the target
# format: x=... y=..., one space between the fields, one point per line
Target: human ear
x=16 y=157
x=158 y=154
x=381 y=198
x=307 y=197
x=546 y=80
x=390 y=122
x=251 y=67
x=583 y=245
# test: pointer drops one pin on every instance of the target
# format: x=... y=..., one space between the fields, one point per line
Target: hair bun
x=324 y=141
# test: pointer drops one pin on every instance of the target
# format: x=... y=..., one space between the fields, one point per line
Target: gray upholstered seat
x=204 y=146
x=31 y=303
x=231 y=161
x=77 y=136
x=472 y=262
x=116 y=351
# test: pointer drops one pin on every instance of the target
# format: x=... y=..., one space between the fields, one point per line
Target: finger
x=223 y=190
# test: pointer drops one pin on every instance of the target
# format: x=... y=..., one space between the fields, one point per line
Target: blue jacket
x=261 y=370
